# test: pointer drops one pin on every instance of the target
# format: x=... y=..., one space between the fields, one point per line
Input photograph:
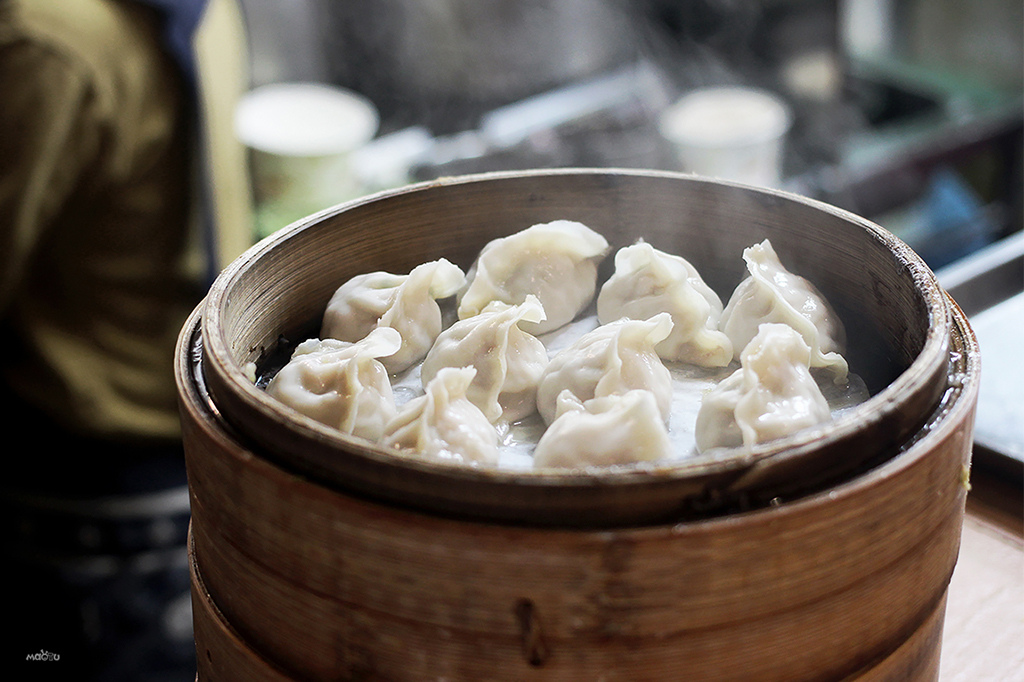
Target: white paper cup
x=301 y=136
x=732 y=133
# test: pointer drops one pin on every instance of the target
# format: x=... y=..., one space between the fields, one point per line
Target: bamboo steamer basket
x=894 y=311
x=822 y=556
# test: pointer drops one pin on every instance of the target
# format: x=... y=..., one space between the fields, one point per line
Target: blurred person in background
x=116 y=163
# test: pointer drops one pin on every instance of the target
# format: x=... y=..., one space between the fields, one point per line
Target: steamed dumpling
x=773 y=294
x=772 y=394
x=612 y=359
x=615 y=429
x=407 y=303
x=556 y=262
x=443 y=424
x=647 y=281
x=508 y=361
x=341 y=384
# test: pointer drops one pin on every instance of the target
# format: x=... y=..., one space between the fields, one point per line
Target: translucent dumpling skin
x=614 y=430
x=556 y=262
x=612 y=359
x=443 y=424
x=647 y=281
x=772 y=294
x=508 y=361
x=406 y=303
x=772 y=395
x=341 y=384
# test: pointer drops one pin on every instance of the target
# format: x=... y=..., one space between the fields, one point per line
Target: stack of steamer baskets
x=825 y=555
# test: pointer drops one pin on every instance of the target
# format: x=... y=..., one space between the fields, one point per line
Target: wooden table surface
x=983 y=636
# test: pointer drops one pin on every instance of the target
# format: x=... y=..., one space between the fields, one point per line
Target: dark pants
x=95 y=551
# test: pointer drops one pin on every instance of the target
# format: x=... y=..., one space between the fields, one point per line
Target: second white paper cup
x=301 y=136
x=732 y=133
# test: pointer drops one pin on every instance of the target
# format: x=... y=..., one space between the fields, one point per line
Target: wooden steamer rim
x=260 y=284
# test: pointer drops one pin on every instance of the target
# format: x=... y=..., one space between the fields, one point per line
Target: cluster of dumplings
x=605 y=398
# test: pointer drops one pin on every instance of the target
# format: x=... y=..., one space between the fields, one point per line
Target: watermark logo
x=43 y=655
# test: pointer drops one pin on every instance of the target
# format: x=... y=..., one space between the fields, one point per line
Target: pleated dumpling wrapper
x=773 y=294
x=772 y=395
x=617 y=429
x=611 y=359
x=508 y=361
x=556 y=262
x=647 y=281
x=407 y=303
x=341 y=384
x=443 y=424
